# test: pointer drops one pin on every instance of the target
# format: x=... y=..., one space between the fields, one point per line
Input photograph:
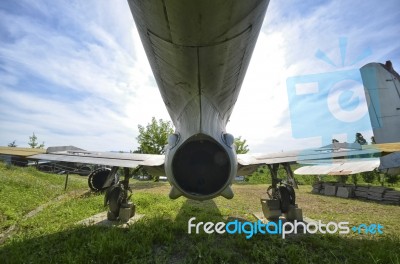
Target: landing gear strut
x=282 y=198
x=117 y=198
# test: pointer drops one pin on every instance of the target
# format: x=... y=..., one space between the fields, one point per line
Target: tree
x=12 y=144
x=153 y=138
x=368 y=176
x=354 y=179
x=391 y=179
x=33 y=142
x=360 y=139
x=335 y=141
x=241 y=146
x=343 y=178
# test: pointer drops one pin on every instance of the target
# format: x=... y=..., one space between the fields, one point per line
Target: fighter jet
x=199 y=52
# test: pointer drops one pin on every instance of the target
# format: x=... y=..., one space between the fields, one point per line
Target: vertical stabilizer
x=382 y=90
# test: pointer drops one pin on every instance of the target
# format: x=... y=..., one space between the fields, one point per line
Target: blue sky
x=75 y=73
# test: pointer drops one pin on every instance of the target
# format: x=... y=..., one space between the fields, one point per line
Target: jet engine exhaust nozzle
x=201 y=167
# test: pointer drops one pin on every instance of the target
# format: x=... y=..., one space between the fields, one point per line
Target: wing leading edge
x=127 y=160
x=328 y=153
x=344 y=167
x=20 y=152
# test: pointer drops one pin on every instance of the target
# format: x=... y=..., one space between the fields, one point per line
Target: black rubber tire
x=284 y=198
x=97 y=178
x=292 y=194
x=114 y=199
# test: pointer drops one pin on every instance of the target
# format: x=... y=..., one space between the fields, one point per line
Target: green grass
x=52 y=235
x=24 y=189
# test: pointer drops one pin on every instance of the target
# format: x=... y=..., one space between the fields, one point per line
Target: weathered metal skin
x=382 y=90
x=199 y=52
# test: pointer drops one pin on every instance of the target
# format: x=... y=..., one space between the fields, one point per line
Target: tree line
x=153 y=138
x=369 y=176
x=33 y=142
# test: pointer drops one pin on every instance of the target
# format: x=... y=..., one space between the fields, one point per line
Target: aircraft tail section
x=382 y=90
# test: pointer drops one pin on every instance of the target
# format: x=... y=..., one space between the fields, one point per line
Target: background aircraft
x=382 y=90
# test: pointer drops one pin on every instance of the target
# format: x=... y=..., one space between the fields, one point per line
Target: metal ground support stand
x=117 y=198
x=281 y=199
x=127 y=209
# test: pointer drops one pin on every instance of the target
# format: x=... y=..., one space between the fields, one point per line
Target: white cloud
x=97 y=90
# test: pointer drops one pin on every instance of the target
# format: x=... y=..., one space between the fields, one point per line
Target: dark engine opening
x=201 y=167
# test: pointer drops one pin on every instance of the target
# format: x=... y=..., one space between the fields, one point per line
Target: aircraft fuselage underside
x=199 y=52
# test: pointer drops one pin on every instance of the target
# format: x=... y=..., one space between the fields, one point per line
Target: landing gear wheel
x=284 y=198
x=114 y=198
x=292 y=195
x=271 y=194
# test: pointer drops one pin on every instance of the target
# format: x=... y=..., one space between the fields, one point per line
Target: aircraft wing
x=129 y=160
x=20 y=152
x=342 y=167
x=247 y=162
x=74 y=154
x=388 y=162
x=384 y=148
x=328 y=152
